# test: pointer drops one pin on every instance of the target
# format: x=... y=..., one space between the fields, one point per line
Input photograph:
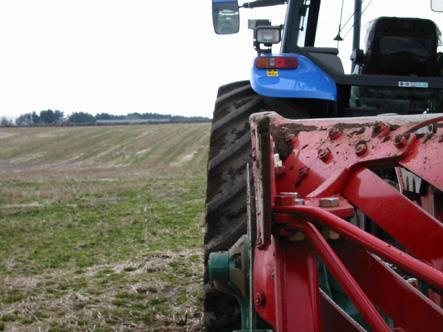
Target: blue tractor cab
x=401 y=53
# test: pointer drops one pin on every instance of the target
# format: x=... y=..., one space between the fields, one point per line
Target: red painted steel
x=287 y=274
x=416 y=229
x=341 y=273
x=379 y=247
x=336 y=159
x=297 y=294
x=335 y=319
x=264 y=281
x=397 y=298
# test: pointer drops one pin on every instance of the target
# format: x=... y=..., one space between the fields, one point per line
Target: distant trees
x=51 y=117
x=27 y=119
x=81 y=117
x=5 y=122
x=107 y=116
x=56 y=117
x=45 y=117
x=151 y=116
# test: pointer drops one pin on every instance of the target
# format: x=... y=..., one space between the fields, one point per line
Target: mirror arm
x=263 y=3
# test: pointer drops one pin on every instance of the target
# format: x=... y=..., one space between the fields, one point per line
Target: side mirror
x=225 y=16
x=437 y=5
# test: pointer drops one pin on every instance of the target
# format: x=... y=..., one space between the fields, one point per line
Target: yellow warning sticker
x=272 y=72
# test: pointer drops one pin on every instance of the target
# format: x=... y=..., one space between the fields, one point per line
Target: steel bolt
x=278 y=165
x=286 y=199
x=401 y=140
x=260 y=299
x=303 y=172
x=323 y=154
x=299 y=201
x=413 y=282
x=334 y=133
x=259 y=240
x=361 y=148
x=380 y=127
x=291 y=194
x=329 y=202
x=279 y=170
x=289 y=138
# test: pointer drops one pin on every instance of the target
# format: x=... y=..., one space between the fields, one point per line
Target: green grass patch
x=102 y=234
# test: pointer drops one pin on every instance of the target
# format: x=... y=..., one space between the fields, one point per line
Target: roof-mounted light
x=268 y=35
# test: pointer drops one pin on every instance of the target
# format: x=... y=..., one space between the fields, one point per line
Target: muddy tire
x=230 y=150
x=226 y=211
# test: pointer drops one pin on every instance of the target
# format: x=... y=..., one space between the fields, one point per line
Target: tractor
x=324 y=204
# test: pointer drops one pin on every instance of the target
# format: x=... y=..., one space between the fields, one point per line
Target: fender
x=307 y=81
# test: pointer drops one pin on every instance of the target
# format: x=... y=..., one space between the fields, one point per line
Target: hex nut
x=299 y=201
x=334 y=133
x=323 y=154
x=401 y=140
x=303 y=172
x=260 y=299
x=361 y=148
x=329 y=202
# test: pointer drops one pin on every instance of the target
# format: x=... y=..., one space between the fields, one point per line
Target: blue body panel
x=307 y=81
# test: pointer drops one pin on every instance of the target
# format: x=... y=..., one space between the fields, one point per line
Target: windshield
x=329 y=21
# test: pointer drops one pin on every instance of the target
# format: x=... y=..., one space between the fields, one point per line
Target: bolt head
x=329 y=202
x=279 y=170
x=299 y=201
x=278 y=165
x=323 y=154
x=303 y=172
x=380 y=127
x=260 y=299
x=289 y=138
x=401 y=140
x=288 y=199
x=291 y=194
x=258 y=241
x=284 y=200
x=361 y=148
x=334 y=133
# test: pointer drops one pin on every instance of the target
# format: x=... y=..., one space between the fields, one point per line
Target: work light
x=268 y=35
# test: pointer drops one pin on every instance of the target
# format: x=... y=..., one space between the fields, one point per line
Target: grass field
x=101 y=228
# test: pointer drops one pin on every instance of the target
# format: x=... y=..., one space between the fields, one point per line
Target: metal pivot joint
x=230 y=272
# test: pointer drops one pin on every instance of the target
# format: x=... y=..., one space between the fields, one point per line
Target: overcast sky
x=122 y=56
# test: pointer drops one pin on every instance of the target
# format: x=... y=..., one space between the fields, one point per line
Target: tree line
x=56 y=117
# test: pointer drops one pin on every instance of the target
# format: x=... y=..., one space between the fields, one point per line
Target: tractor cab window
x=336 y=23
x=397 y=37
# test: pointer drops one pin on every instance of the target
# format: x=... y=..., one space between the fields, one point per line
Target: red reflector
x=280 y=62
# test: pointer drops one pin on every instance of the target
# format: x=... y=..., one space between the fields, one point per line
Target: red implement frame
x=318 y=185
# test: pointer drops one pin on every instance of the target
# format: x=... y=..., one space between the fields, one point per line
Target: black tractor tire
x=229 y=152
x=226 y=210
